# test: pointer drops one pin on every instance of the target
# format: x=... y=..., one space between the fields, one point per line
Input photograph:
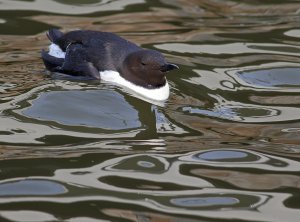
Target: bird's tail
x=51 y=62
x=54 y=34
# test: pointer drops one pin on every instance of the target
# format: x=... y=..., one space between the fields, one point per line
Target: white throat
x=157 y=94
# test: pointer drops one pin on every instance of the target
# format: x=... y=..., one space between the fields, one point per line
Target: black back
x=105 y=50
x=88 y=52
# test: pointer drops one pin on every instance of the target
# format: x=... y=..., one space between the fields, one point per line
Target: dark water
x=224 y=147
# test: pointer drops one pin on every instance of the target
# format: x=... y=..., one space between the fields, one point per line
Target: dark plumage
x=89 y=52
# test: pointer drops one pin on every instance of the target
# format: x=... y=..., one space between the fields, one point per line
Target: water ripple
x=69 y=107
x=72 y=8
x=31 y=187
x=242 y=159
x=224 y=147
x=231 y=48
x=204 y=201
x=27 y=215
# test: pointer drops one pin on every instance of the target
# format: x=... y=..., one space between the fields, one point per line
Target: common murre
x=106 y=56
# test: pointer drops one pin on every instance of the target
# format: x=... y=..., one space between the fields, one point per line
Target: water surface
x=224 y=147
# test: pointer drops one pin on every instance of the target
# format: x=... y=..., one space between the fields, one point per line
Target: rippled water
x=224 y=147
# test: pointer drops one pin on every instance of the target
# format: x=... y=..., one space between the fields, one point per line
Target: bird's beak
x=168 y=67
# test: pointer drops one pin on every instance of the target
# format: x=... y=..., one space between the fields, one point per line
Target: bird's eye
x=143 y=63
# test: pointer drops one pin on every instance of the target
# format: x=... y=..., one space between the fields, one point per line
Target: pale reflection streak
x=231 y=48
x=215 y=79
x=172 y=165
x=171 y=175
x=86 y=219
x=145 y=216
x=267 y=207
x=293 y=33
x=243 y=112
x=266 y=181
x=57 y=7
x=164 y=125
x=28 y=132
x=27 y=187
x=228 y=80
x=73 y=110
x=262 y=162
x=243 y=85
x=27 y=215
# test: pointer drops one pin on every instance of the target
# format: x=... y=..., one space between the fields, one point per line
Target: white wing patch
x=55 y=50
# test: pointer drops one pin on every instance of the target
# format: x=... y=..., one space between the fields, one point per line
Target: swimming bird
x=107 y=56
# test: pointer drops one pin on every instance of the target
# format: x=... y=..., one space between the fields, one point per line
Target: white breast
x=157 y=94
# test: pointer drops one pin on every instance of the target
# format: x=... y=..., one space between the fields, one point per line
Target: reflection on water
x=273 y=77
x=74 y=109
x=224 y=147
x=204 y=201
x=110 y=180
x=223 y=155
x=68 y=6
x=30 y=187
